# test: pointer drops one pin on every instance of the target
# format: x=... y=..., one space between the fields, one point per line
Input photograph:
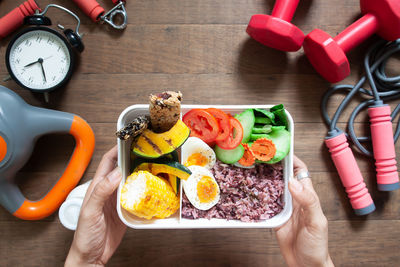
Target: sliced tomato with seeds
x=235 y=135
x=202 y=125
x=223 y=122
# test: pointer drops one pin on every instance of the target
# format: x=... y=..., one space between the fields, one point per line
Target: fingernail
x=114 y=176
x=296 y=185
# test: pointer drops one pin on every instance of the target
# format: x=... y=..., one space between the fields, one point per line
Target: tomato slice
x=202 y=125
x=235 y=135
x=223 y=122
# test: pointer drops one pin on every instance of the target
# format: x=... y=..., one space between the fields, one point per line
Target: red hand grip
x=350 y=174
x=15 y=18
x=91 y=8
x=383 y=146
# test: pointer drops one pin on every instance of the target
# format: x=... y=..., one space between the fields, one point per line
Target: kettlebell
x=21 y=125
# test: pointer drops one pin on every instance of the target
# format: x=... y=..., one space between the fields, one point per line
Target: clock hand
x=33 y=63
x=41 y=65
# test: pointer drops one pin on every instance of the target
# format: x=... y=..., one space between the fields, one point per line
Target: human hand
x=304 y=238
x=99 y=230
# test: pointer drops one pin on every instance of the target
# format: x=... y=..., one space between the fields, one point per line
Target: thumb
x=308 y=202
x=103 y=190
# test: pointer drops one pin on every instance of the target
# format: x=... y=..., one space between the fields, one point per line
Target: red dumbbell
x=328 y=55
x=276 y=31
x=15 y=18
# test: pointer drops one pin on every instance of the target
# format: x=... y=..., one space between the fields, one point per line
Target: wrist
x=329 y=262
x=75 y=258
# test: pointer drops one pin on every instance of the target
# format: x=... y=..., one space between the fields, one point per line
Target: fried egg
x=201 y=188
x=196 y=152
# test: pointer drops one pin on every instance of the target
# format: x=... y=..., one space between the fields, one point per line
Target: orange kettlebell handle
x=85 y=141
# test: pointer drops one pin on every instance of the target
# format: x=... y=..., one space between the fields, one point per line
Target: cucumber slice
x=229 y=156
x=247 y=119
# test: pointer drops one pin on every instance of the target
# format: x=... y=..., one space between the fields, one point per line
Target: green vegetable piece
x=263 y=120
x=229 y=156
x=254 y=137
x=262 y=112
x=277 y=128
x=277 y=107
x=280 y=115
x=247 y=119
x=263 y=129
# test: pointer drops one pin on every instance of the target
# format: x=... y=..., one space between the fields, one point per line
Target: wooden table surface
x=199 y=47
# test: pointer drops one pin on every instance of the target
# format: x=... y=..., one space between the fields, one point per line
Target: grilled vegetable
x=153 y=145
x=136 y=161
x=173 y=168
x=146 y=195
x=174 y=182
x=133 y=129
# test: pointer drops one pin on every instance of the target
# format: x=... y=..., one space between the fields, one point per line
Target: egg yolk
x=206 y=189
x=196 y=159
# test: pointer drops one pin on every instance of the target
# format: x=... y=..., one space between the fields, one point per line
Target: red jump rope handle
x=91 y=8
x=383 y=146
x=15 y=18
x=350 y=174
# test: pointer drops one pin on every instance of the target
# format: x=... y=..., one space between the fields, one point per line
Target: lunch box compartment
x=175 y=221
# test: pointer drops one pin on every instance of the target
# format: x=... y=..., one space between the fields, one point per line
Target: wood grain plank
x=351 y=244
x=101 y=98
x=195 y=49
x=50 y=156
x=207 y=11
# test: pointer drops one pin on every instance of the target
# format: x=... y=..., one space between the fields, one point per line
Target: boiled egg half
x=201 y=188
x=196 y=152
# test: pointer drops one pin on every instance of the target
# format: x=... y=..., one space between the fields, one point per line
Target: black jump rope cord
x=383 y=88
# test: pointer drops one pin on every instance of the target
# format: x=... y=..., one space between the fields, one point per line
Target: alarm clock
x=40 y=58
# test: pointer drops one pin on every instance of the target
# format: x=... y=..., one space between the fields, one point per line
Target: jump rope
x=383 y=89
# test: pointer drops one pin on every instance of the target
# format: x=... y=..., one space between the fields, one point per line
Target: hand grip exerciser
x=15 y=18
x=97 y=13
x=275 y=30
x=383 y=148
x=350 y=174
x=20 y=126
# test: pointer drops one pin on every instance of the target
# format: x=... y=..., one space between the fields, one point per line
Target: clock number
x=28 y=43
x=58 y=50
x=18 y=49
x=30 y=79
x=53 y=78
x=62 y=70
x=50 y=41
x=17 y=60
x=39 y=39
x=23 y=71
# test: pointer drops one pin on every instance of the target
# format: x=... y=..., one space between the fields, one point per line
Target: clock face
x=39 y=59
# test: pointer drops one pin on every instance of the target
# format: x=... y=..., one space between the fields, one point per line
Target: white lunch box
x=176 y=221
